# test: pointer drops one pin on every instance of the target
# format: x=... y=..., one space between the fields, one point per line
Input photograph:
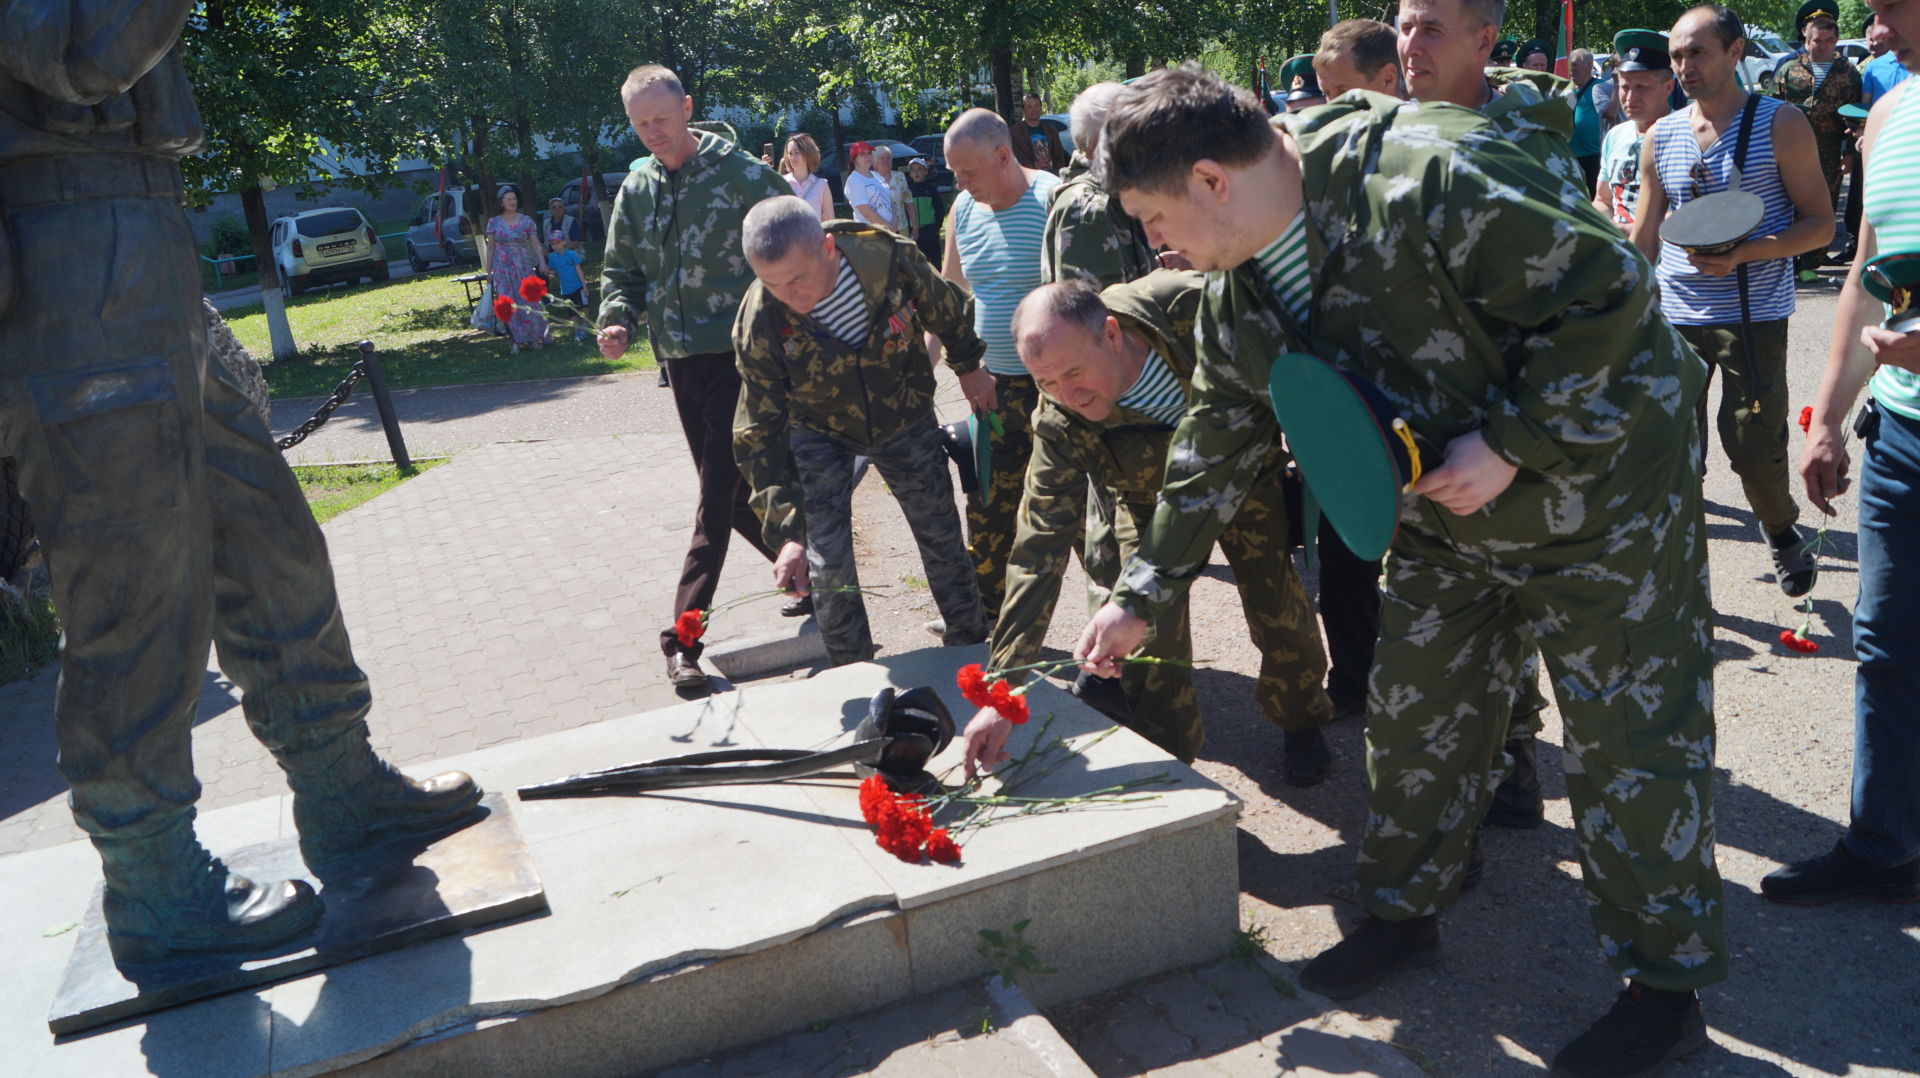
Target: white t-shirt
x=872 y=192
x=1620 y=169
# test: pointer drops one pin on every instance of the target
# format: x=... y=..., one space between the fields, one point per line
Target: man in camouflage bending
x=833 y=366
x=1113 y=369
x=1566 y=514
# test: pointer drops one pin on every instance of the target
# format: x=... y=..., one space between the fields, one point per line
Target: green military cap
x=1894 y=279
x=1641 y=50
x=1298 y=80
x=1355 y=453
x=1813 y=9
x=1532 y=46
x=1502 y=54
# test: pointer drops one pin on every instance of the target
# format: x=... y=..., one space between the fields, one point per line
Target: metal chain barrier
x=339 y=397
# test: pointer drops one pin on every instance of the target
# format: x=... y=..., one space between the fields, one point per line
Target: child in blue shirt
x=565 y=262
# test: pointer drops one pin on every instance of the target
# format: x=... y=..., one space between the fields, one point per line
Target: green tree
x=277 y=84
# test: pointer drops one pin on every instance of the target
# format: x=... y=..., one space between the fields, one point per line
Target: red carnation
x=973 y=684
x=942 y=848
x=533 y=289
x=1009 y=704
x=1806 y=418
x=873 y=794
x=1793 y=641
x=689 y=626
x=503 y=308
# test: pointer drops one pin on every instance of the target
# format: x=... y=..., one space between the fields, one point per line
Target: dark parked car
x=931 y=147
x=592 y=227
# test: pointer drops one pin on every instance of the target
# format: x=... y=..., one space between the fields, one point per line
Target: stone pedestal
x=689 y=922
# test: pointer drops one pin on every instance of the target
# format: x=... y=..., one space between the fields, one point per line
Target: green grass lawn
x=419 y=327
x=332 y=489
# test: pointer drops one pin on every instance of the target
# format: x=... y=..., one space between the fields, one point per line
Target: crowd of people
x=1473 y=246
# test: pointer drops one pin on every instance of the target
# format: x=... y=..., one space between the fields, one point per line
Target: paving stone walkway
x=518 y=589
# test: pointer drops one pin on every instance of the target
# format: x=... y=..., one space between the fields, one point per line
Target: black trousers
x=1349 y=602
x=706 y=389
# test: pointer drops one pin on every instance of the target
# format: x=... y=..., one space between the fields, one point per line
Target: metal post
x=388 y=421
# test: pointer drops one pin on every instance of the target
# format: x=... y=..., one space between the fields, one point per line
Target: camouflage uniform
x=1554 y=350
x=809 y=403
x=1125 y=455
x=673 y=252
x=1794 y=84
x=1090 y=237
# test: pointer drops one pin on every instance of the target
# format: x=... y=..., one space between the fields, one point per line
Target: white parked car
x=316 y=247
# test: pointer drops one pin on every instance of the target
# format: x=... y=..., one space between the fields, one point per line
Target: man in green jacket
x=1566 y=515
x=833 y=366
x=1114 y=369
x=673 y=256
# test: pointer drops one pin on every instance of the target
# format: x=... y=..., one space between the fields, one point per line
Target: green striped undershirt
x=1283 y=265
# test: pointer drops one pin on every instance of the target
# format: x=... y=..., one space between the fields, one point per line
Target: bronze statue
x=167 y=517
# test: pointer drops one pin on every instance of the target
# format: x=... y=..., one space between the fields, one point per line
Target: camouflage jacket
x=1452 y=273
x=1125 y=454
x=673 y=250
x=793 y=371
x=1534 y=111
x=1794 y=84
x=1089 y=236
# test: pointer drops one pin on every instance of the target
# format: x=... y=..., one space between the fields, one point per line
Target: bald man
x=994 y=239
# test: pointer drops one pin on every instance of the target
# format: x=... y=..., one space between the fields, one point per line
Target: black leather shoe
x=1516 y=801
x=797 y=607
x=1308 y=758
x=245 y=917
x=1646 y=1028
x=1372 y=951
x=389 y=807
x=1838 y=874
x=1105 y=695
x=684 y=672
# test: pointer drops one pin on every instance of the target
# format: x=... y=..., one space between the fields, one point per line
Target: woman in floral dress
x=514 y=252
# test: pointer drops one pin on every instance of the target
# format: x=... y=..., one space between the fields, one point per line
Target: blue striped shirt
x=1156 y=392
x=1000 y=258
x=1687 y=296
x=1893 y=169
x=844 y=311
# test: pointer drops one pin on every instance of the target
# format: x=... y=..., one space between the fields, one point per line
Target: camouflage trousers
x=1624 y=623
x=1280 y=622
x=914 y=465
x=993 y=513
x=1756 y=442
x=1100 y=547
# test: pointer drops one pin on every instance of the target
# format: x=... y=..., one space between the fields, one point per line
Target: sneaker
x=1646 y=1028
x=1839 y=874
x=1307 y=757
x=798 y=606
x=1793 y=564
x=1103 y=694
x=937 y=627
x=1375 y=949
x=1808 y=276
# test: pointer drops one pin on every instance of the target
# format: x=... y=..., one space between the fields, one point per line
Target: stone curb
x=1020 y=1022
x=764 y=656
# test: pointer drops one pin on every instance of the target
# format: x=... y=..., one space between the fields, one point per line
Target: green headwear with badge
x=1894 y=279
x=1641 y=50
x=1301 y=81
x=1812 y=9
x=1502 y=55
x=1531 y=47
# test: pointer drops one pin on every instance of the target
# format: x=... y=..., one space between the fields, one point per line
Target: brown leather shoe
x=684 y=672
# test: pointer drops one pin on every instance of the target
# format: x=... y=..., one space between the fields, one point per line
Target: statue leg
x=99 y=403
x=280 y=637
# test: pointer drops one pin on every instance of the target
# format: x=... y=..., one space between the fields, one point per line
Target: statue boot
x=346 y=799
x=167 y=896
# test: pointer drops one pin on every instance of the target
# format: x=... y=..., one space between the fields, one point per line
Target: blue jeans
x=1886 y=638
